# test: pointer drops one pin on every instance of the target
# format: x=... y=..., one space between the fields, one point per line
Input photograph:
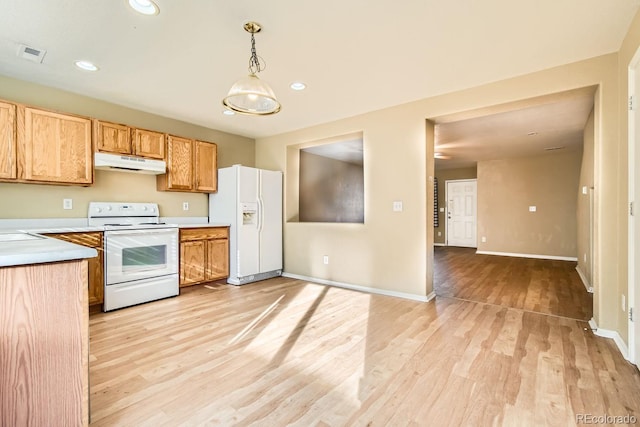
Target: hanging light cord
x=256 y=63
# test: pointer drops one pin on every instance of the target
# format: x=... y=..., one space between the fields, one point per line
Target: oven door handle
x=137 y=232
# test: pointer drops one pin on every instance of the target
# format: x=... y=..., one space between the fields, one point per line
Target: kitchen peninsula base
x=44 y=343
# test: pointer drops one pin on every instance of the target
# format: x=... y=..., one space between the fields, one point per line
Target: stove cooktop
x=125 y=216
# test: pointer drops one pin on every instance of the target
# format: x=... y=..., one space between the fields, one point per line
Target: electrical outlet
x=397 y=206
x=532 y=208
x=483 y=239
x=439 y=233
x=67 y=203
x=185 y=206
x=624 y=303
x=325 y=259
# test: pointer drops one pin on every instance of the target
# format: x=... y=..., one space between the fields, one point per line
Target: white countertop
x=14 y=250
x=80 y=225
x=36 y=249
x=206 y=225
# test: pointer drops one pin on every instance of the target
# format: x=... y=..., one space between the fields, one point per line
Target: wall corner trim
x=614 y=335
x=586 y=283
x=535 y=256
x=365 y=289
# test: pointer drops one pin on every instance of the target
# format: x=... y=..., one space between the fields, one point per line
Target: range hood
x=122 y=163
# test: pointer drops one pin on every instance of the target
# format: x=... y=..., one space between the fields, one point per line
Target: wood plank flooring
x=543 y=286
x=287 y=352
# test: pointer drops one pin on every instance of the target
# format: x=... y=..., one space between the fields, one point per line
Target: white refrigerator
x=251 y=201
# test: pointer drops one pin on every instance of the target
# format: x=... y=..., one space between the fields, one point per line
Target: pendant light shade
x=250 y=95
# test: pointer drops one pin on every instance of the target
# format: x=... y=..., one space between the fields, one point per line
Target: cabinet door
x=192 y=262
x=8 y=169
x=206 y=167
x=147 y=143
x=54 y=147
x=112 y=137
x=217 y=259
x=96 y=269
x=179 y=174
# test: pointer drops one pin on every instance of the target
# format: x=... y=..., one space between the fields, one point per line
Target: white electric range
x=140 y=253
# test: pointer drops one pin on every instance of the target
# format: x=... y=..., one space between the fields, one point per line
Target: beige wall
x=391 y=250
x=443 y=176
x=585 y=208
x=330 y=190
x=45 y=201
x=506 y=189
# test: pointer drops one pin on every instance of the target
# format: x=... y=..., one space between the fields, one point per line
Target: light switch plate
x=185 y=206
x=397 y=206
x=441 y=209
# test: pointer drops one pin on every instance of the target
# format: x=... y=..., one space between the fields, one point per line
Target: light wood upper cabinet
x=191 y=166
x=180 y=171
x=112 y=137
x=54 y=147
x=148 y=143
x=8 y=159
x=206 y=167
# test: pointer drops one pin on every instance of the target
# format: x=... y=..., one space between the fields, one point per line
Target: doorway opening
x=531 y=170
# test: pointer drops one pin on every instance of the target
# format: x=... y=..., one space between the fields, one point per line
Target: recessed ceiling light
x=86 y=65
x=228 y=112
x=298 y=86
x=441 y=156
x=554 y=148
x=532 y=133
x=146 y=7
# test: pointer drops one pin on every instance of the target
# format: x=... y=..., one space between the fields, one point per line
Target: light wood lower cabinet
x=96 y=265
x=204 y=255
x=44 y=345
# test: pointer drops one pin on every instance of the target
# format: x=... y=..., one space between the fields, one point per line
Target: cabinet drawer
x=187 y=234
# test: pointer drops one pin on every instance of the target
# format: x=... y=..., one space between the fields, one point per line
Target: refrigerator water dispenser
x=249 y=213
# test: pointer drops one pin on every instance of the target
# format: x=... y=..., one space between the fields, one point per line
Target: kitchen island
x=44 y=334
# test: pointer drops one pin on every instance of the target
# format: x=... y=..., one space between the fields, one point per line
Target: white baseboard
x=614 y=335
x=439 y=244
x=535 y=256
x=365 y=289
x=585 y=282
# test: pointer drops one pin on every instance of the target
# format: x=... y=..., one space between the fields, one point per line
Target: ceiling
x=355 y=56
x=533 y=127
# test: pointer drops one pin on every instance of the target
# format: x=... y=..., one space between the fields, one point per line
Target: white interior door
x=634 y=201
x=461 y=213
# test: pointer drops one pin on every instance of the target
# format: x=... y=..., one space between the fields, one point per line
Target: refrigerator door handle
x=260 y=214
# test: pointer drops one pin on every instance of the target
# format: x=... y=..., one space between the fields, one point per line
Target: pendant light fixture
x=250 y=95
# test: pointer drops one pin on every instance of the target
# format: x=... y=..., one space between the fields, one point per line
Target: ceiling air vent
x=553 y=148
x=31 y=53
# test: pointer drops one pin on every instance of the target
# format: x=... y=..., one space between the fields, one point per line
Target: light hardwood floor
x=539 y=285
x=287 y=352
